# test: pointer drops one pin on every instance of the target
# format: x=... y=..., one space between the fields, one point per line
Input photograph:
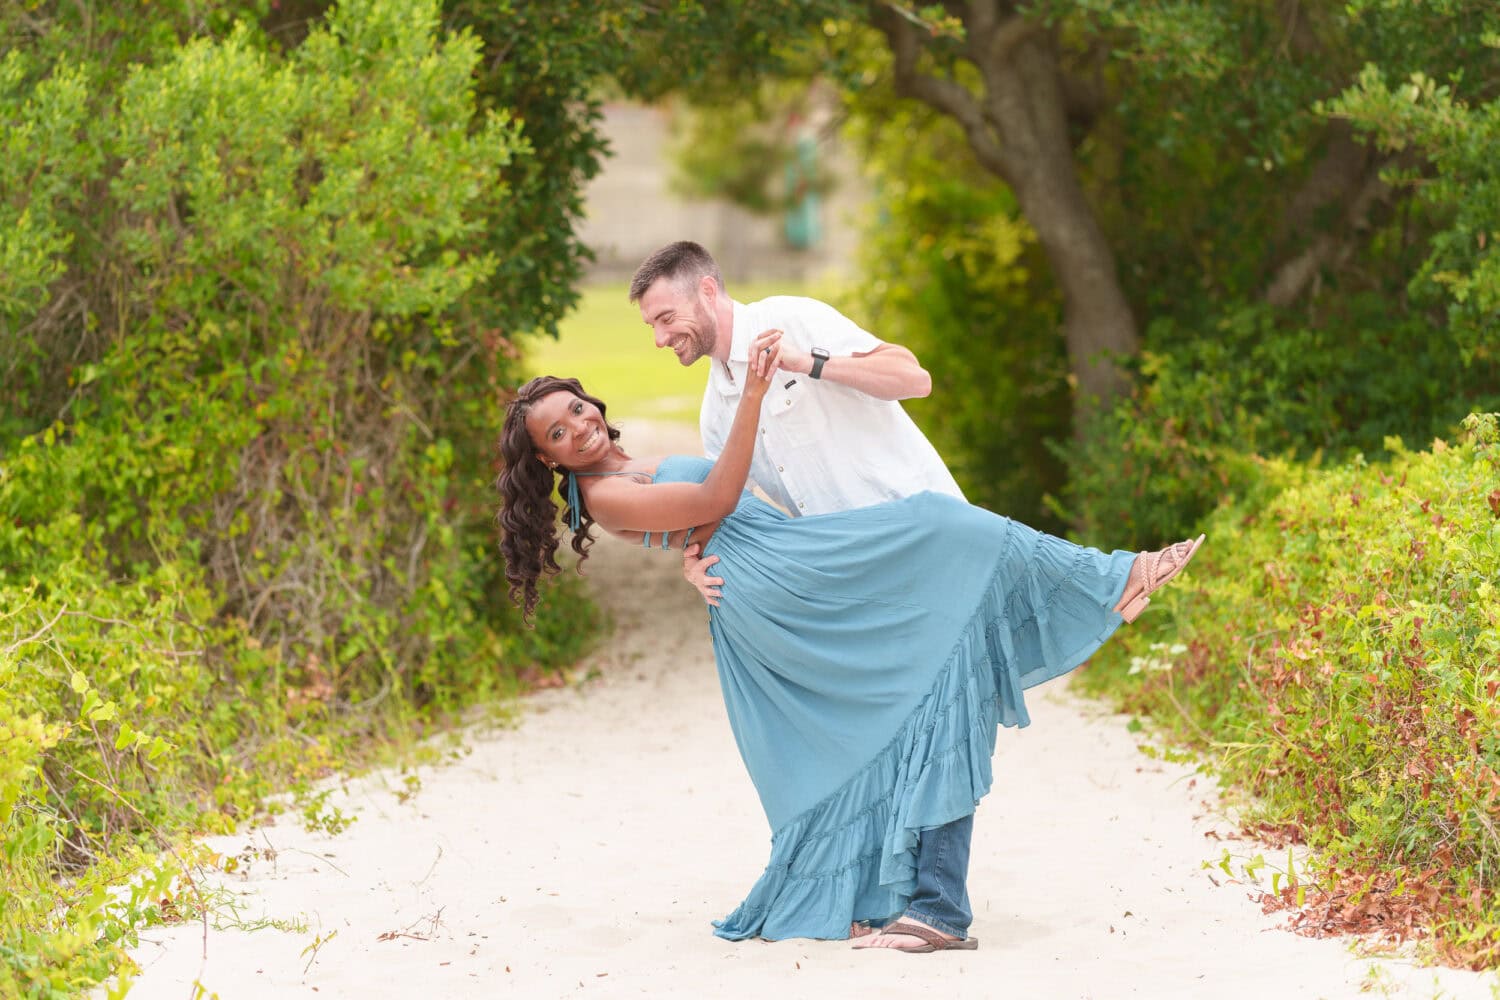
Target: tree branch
x=1328 y=248
x=945 y=96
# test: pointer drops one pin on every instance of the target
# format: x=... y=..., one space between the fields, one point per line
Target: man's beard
x=708 y=331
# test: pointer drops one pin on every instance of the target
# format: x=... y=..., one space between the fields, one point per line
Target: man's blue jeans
x=942 y=897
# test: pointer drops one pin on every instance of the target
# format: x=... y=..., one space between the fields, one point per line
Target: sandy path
x=585 y=852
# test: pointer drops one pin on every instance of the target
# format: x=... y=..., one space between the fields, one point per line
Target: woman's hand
x=765 y=358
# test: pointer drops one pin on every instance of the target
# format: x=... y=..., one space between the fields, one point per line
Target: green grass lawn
x=605 y=345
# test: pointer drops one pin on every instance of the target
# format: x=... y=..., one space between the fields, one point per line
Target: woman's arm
x=619 y=504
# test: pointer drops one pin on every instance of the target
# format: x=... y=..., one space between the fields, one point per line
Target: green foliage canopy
x=251 y=393
x=1305 y=261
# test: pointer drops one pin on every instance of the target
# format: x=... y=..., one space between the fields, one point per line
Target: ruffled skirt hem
x=852 y=856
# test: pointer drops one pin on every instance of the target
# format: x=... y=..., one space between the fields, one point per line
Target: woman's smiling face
x=568 y=431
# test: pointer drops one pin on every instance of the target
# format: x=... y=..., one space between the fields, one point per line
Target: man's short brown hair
x=683 y=262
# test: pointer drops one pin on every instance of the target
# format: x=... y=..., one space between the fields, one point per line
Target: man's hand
x=695 y=571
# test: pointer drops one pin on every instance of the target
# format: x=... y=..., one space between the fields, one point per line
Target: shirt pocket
x=794 y=415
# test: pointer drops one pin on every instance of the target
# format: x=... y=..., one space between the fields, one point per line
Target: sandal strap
x=917 y=931
x=1156 y=574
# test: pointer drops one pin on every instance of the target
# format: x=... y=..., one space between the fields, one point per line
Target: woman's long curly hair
x=528 y=516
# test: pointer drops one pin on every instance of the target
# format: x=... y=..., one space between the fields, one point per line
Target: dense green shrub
x=1460 y=272
x=1226 y=170
x=245 y=515
x=263 y=265
x=1337 y=652
x=1206 y=406
x=1401 y=345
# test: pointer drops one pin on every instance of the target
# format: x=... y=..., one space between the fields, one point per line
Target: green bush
x=1396 y=339
x=1205 y=407
x=245 y=515
x=1338 y=650
x=1456 y=132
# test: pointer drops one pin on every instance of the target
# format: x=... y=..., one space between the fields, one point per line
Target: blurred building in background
x=631 y=208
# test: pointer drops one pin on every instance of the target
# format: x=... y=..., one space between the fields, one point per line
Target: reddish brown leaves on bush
x=1387 y=906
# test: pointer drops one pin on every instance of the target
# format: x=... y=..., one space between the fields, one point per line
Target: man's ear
x=708 y=288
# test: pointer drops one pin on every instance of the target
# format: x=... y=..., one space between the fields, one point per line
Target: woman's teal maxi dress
x=866 y=658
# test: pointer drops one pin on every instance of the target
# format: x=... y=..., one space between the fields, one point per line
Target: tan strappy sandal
x=1156 y=568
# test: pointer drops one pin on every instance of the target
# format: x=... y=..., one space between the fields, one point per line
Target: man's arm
x=856 y=357
x=890 y=371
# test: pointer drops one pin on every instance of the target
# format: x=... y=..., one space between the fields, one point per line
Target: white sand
x=585 y=853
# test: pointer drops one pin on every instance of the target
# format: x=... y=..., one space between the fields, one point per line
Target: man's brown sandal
x=934 y=940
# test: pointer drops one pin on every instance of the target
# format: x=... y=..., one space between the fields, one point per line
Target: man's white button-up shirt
x=821 y=446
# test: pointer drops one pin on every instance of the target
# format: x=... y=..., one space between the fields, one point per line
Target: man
x=833 y=436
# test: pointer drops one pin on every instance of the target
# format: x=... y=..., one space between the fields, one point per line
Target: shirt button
x=789 y=402
x=780 y=468
x=800 y=505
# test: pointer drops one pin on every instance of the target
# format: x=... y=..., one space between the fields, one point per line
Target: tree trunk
x=1097 y=322
x=1017 y=126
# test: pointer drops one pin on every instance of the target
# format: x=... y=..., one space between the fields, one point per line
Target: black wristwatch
x=819 y=356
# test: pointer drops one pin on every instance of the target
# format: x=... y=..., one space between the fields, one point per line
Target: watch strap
x=819 y=356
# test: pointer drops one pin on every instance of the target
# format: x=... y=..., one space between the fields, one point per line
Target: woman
x=866 y=657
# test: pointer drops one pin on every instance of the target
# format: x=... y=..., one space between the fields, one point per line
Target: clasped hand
x=765 y=359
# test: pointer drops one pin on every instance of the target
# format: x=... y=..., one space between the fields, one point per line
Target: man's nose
x=661 y=336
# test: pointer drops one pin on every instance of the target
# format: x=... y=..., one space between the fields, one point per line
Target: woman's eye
x=577 y=407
